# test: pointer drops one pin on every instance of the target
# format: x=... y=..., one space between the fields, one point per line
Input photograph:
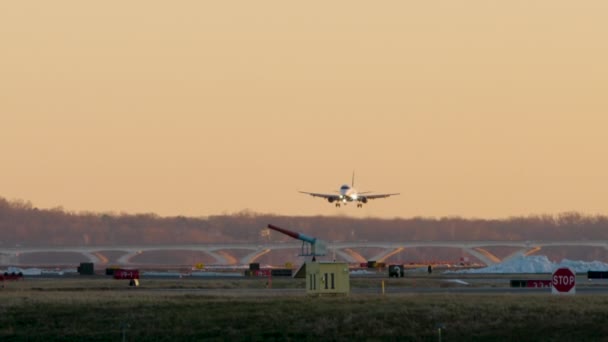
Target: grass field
x=107 y=310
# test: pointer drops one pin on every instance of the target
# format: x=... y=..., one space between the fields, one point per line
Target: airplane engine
x=331 y=200
x=363 y=199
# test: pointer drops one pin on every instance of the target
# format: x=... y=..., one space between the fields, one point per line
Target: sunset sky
x=467 y=108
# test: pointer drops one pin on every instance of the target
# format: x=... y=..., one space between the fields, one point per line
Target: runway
x=595 y=290
x=421 y=285
x=389 y=292
x=360 y=285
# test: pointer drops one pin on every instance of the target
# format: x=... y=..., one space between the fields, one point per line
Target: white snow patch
x=38 y=271
x=24 y=271
x=52 y=272
x=457 y=281
x=537 y=264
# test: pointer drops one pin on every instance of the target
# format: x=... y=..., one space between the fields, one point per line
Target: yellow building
x=325 y=278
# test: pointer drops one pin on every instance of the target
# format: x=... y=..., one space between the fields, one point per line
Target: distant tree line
x=23 y=224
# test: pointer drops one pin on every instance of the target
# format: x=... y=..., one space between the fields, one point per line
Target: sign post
x=563 y=281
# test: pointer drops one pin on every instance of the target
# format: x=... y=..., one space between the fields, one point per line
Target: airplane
x=347 y=193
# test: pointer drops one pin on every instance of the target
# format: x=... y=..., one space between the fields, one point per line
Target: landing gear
x=359 y=205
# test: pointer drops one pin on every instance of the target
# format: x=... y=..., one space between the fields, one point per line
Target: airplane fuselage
x=348 y=193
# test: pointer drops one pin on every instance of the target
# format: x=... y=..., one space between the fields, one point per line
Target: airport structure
x=322 y=278
x=325 y=278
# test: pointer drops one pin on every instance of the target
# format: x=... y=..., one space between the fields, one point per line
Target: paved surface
x=603 y=290
x=453 y=284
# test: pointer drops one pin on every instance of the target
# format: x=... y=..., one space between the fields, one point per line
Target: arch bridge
x=346 y=250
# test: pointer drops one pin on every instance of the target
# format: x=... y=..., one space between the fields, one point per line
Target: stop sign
x=563 y=281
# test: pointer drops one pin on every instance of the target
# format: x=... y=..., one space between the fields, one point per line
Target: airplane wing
x=369 y=197
x=327 y=196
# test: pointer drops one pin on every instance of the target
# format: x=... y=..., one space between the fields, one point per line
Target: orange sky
x=470 y=108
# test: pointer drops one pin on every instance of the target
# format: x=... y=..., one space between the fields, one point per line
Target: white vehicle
x=348 y=193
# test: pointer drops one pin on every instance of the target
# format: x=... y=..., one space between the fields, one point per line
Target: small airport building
x=325 y=278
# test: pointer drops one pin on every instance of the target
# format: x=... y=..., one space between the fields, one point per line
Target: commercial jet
x=347 y=193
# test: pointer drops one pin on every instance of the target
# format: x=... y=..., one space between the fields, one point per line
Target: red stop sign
x=563 y=280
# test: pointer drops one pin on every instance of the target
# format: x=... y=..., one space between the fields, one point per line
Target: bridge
x=346 y=250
